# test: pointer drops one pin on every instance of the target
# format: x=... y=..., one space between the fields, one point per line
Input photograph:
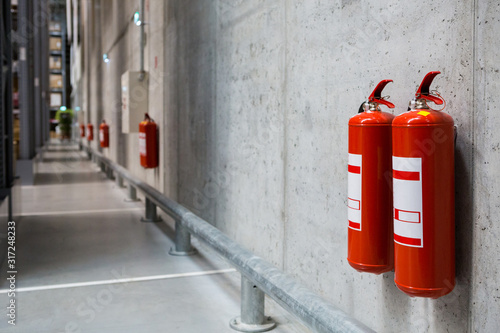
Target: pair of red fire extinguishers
x=401 y=192
x=148 y=140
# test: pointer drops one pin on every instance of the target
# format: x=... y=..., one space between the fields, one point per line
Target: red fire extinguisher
x=369 y=235
x=148 y=143
x=104 y=134
x=423 y=187
x=82 y=130
x=90 y=132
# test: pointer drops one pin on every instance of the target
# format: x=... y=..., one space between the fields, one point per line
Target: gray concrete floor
x=77 y=236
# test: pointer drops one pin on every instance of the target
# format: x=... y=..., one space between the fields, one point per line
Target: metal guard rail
x=297 y=299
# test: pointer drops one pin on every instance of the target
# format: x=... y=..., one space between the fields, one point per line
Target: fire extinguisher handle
x=432 y=98
x=423 y=89
x=376 y=95
x=384 y=102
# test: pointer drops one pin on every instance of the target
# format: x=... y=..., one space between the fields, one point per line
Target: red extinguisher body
x=369 y=235
x=148 y=143
x=424 y=210
x=82 y=130
x=90 y=132
x=104 y=134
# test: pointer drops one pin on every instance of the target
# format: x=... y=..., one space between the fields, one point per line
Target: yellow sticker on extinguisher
x=424 y=113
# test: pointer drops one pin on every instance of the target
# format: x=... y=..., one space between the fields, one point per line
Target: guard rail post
x=132 y=193
x=150 y=212
x=253 y=318
x=119 y=180
x=109 y=171
x=182 y=241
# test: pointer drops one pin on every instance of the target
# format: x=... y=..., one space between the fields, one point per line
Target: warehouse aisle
x=86 y=263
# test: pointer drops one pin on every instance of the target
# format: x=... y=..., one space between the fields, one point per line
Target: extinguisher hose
x=147 y=117
x=436 y=93
x=362 y=108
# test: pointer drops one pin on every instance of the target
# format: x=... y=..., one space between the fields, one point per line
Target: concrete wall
x=484 y=252
x=110 y=30
x=254 y=98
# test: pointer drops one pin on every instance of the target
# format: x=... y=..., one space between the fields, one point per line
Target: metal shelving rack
x=60 y=53
x=31 y=40
x=6 y=128
x=58 y=16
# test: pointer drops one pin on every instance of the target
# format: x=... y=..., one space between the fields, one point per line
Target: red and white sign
x=354 y=191
x=142 y=144
x=407 y=188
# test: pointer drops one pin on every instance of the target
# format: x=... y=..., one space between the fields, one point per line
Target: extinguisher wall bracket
x=376 y=95
x=423 y=91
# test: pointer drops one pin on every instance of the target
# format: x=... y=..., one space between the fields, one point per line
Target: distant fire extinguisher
x=104 y=134
x=369 y=236
x=423 y=186
x=148 y=143
x=82 y=130
x=90 y=132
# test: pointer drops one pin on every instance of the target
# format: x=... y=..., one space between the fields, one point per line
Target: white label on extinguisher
x=101 y=135
x=142 y=144
x=407 y=189
x=354 y=191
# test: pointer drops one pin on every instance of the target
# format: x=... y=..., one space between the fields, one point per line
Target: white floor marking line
x=104 y=183
x=125 y=280
x=90 y=211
